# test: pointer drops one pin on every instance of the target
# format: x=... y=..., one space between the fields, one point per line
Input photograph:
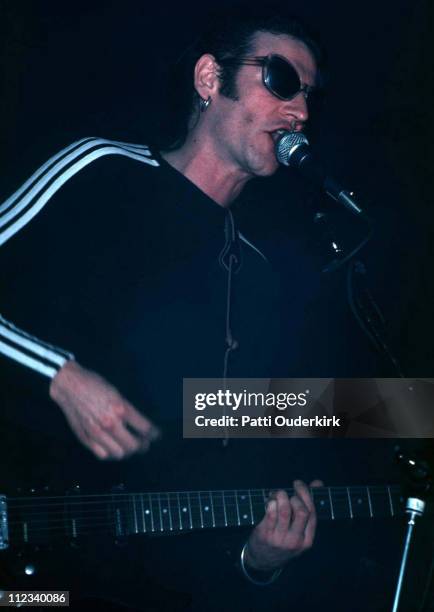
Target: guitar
x=43 y=519
x=37 y=521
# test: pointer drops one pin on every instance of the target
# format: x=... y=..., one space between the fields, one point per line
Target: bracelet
x=270 y=580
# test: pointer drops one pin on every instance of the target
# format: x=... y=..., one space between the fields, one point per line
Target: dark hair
x=230 y=36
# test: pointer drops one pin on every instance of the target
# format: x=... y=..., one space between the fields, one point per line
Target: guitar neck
x=42 y=519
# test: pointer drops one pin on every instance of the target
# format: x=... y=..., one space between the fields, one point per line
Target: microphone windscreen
x=287 y=144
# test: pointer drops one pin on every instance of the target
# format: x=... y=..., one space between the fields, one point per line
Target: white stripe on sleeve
x=41 y=195
x=28 y=361
x=28 y=350
x=22 y=206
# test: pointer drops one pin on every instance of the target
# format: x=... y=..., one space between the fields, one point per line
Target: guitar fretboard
x=40 y=519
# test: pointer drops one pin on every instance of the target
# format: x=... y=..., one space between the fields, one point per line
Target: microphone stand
x=368 y=314
x=362 y=304
x=419 y=482
x=414 y=508
x=373 y=323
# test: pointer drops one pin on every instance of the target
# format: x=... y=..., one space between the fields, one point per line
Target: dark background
x=73 y=70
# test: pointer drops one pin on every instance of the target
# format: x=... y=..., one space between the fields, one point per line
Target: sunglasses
x=278 y=75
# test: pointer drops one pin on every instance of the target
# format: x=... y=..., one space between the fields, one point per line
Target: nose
x=296 y=109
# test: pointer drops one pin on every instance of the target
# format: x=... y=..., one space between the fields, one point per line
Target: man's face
x=244 y=130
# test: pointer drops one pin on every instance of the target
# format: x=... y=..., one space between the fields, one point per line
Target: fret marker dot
x=244 y=516
x=243 y=497
x=321 y=503
x=184 y=509
x=359 y=501
x=146 y=511
x=164 y=510
x=206 y=508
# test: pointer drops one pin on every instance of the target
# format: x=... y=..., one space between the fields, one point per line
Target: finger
x=130 y=443
x=309 y=531
x=316 y=483
x=268 y=523
x=112 y=422
x=96 y=435
x=97 y=450
x=126 y=440
x=306 y=496
x=140 y=423
x=107 y=438
x=77 y=428
x=284 y=513
x=303 y=492
x=300 y=517
x=101 y=450
x=305 y=518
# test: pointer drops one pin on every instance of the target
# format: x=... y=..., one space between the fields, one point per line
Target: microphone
x=292 y=149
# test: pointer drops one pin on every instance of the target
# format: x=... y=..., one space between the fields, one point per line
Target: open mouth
x=277 y=134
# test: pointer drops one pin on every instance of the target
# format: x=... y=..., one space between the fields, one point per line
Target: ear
x=206 y=77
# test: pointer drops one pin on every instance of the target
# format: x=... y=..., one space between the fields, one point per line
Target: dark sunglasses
x=278 y=75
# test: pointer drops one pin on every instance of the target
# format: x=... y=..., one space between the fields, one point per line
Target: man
x=154 y=209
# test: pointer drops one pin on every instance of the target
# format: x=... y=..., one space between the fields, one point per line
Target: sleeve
x=16 y=213
x=31 y=352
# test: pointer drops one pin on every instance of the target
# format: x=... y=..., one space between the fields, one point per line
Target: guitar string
x=219 y=520
x=226 y=498
x=343 y=503
x=137 y=516
x=111 y=525
x=315 y=491
x=92 y=507
x=34 y=523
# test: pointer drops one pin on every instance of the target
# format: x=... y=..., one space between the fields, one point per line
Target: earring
x=203 y=104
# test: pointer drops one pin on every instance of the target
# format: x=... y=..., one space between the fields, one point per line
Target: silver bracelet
x=270 y=580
